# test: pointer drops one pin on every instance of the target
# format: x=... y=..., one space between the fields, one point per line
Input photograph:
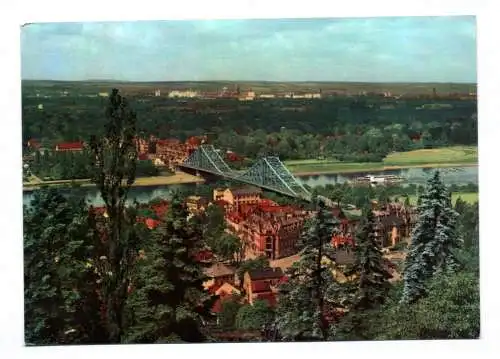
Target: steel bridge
x=268 y=173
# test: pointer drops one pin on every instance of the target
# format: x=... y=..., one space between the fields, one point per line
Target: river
x=455 y=175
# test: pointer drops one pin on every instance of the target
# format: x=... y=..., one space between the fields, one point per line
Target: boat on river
x=379 y=180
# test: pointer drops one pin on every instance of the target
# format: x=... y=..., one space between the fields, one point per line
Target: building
x=267 y=228
x=157 y=93
x=236 y=197
x=393 y=223
x=267 y=95
x=34 y=144
x=262 y=285
x=225 y=292
x=249 y=96
x=183 y=94
x=312 y=95
x=173 y=152
x=196 y=204
x=219 y=274
x=142 y=145
x=158 y=162
x=233 y=157
x=70 y=146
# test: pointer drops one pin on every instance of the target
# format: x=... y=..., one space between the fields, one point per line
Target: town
x=271 y=232
x=276 y=204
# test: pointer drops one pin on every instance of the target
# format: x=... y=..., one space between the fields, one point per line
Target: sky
x=397 y=49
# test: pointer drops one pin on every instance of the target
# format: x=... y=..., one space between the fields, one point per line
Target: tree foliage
x=364 y=128
x=369 y=267
x=310 y=291
x=450 y=310
x=229 y=311
x=434 y=240
x=254 y=317
x=371 y=284
x=61 y=305
x=168 y=302
x=114 y=159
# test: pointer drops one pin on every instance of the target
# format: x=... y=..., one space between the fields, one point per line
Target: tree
x=434 y=240
x=371 y=283
x=469 y=224
x=114 y=160
x=168 y=302
x=227 y=246
x=61 y=305
x=229 y=310
x=449 y=311
x=369 y=266
x=407 y=202
x=310 y=291
x=214 y=223
x=254 y=317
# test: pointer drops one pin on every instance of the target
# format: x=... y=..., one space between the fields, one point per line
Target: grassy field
x=177 y=178
x=457 y=154
x=440 y=157
x=469 y=197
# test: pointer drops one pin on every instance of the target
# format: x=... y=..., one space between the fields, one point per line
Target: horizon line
x=260 y=81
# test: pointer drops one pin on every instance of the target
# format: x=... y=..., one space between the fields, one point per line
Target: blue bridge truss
x=267 y=173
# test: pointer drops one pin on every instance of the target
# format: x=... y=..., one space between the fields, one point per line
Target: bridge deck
x=268 y=172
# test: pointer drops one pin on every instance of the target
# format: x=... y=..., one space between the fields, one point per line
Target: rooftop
x=246 y=190
x=227 y=289
x=344 y=257
x=267 y=273
x=70 y=145
x=219 y=270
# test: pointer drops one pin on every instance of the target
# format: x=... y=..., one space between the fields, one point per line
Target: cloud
x=365 y=49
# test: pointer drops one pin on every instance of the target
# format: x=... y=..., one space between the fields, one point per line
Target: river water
x=458 y=176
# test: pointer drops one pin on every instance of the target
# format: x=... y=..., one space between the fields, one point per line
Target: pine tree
x=434 y=240
x=61 y=306
x=371 y=285
x=114 y=160
x=372 y=273
x=168 y=302
x=305 y=299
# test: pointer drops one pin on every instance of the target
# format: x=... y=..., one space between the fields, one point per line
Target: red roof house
x=151 y=223
x=340 y=240
x=33 y=143
x=160 y=209
x=69 y=146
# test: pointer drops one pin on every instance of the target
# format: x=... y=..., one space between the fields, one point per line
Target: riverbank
x=177 y=178
x=370 y=167
x=184 y=178
x=453 y=156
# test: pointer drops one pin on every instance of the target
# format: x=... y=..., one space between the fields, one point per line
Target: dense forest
x=108 y=279
x=362 y=128
x=76 y=165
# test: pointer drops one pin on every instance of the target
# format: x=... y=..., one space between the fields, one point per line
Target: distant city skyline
x=391 y=49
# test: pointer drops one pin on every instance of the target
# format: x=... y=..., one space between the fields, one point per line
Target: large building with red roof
x=69 y=146
x=173 y=152
x=267 y=228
